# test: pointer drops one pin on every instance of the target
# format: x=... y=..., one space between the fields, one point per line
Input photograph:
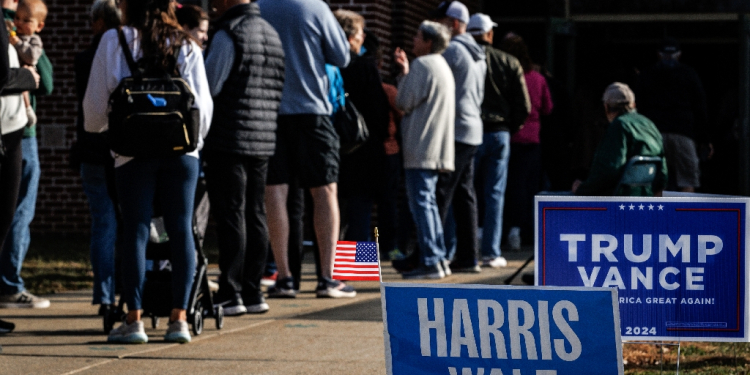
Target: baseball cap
x=618 y=93
x=452 y=9
x=669 y=46
x=479 y=24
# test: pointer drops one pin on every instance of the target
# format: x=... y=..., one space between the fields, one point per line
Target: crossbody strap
x=134 y=70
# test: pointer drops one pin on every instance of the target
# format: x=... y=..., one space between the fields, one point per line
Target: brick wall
x=61 y=205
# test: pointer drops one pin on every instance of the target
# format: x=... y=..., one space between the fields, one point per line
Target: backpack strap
x=134 y=70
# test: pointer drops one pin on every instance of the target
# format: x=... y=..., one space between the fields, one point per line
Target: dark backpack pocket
x=153 y=134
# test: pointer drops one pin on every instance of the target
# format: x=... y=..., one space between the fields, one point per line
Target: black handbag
x=351 y=128
x=152 y=113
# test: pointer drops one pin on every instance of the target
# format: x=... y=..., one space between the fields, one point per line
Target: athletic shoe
x=269 y=280
x=6 y=327
x=334 y=289
x=495 y=262
x=256 y=305
x=132 y=333
x=23 y=300
x=213 y=286
x=406 y=264
x=177 y=331
x=514 y=238
x=425 y=272
x=284 y=288
x=445 y=265
x=233 y=305
x=467 y=269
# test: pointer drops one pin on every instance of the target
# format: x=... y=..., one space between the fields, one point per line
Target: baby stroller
x=157 y=290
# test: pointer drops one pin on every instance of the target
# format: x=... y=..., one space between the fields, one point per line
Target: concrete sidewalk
x=305 y=335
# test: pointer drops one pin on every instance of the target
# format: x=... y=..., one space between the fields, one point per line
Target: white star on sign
x=622 y=206
x=650 y=207
x=631 y=207
x=641 y=207
x=661 y=208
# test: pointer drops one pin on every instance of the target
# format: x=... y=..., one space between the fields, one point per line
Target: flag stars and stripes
x=356 y=261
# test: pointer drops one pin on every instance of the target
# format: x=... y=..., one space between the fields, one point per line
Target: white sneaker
x=514 y=238
x=445 y=265
x=213 y=286
x=23 y=300
x=132 y=333
x=496 y=262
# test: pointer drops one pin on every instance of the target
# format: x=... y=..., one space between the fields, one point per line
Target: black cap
x=669 y=46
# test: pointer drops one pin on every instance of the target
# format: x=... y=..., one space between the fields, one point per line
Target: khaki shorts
x=682 y=160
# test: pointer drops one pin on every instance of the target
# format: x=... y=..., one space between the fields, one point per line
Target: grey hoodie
x=466 y=59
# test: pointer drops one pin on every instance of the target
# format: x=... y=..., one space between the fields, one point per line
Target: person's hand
x=575 y=186
x=399 y=56
x=13 y=39
x=34 y=74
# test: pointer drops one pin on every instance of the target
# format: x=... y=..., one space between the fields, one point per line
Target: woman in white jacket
x=151 y=28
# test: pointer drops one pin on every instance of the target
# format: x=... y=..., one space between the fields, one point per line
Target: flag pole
x=377 y=251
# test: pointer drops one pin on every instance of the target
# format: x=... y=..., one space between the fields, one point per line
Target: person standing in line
x=151 y=31
x=505 y=107
x=671 y=95
x=359 y=181
x=245 y=70
x=96 y=166
x=13 y=294
x=307 y=146
x=427 y=95
x=13 y=81
x=456 y=189
x=524 y=167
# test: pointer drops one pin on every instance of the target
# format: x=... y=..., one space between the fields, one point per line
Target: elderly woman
x=359 y=182
x=151 y=30
x=427 y=95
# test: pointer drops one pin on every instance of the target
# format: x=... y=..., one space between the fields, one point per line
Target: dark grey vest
x=245 y=110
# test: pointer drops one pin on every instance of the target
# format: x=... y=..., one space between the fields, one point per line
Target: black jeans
x=236 y=188
x=10 y=180
x=457 y=188
x=523 y=184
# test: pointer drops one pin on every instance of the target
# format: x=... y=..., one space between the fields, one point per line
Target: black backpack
x=152 y=113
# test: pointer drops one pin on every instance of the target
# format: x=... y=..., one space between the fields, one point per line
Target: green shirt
x=44 y=68
x=629 y=135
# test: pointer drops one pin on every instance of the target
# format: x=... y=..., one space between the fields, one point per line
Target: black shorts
x=307 y=149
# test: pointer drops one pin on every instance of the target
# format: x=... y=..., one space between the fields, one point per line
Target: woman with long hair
x=151 y=30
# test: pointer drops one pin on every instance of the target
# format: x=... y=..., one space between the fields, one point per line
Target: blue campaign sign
x=495 y=330
x=680 y=264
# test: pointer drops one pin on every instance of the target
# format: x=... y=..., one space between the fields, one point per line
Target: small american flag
x=356 y=261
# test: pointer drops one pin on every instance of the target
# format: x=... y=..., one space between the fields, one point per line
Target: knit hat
x=618 y=93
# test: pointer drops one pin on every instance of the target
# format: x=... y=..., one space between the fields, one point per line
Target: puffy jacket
x=245 y=110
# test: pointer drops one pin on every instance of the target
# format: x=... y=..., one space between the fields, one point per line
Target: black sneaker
x=6 y=327
x=284 y=288
x=406 y=264
x=233 y=305
x=334 y=289
x=256 y=304
x=465 y=268
x=425 y=272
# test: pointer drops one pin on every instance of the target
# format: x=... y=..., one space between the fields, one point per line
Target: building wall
x=61 y=204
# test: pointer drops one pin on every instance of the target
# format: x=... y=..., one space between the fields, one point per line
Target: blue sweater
x=311 y=37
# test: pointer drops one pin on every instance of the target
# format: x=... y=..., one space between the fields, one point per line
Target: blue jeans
x=103 y=232
x=492 y=164
x=174 y=179
x=420 y=189
x=19 y=236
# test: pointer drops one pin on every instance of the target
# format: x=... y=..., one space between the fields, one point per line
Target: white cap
x=452 y=9
x=479 y=24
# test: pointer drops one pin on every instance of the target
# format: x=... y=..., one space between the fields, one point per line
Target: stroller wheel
x=154 y=322
x=198 y=321
x=219 y=316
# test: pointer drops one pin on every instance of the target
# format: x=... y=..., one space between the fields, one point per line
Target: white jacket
x=12 y=110
x=110 y=67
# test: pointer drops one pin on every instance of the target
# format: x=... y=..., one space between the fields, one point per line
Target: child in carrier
x=28 y=21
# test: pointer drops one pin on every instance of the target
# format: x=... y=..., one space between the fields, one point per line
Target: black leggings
x=10 y=180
